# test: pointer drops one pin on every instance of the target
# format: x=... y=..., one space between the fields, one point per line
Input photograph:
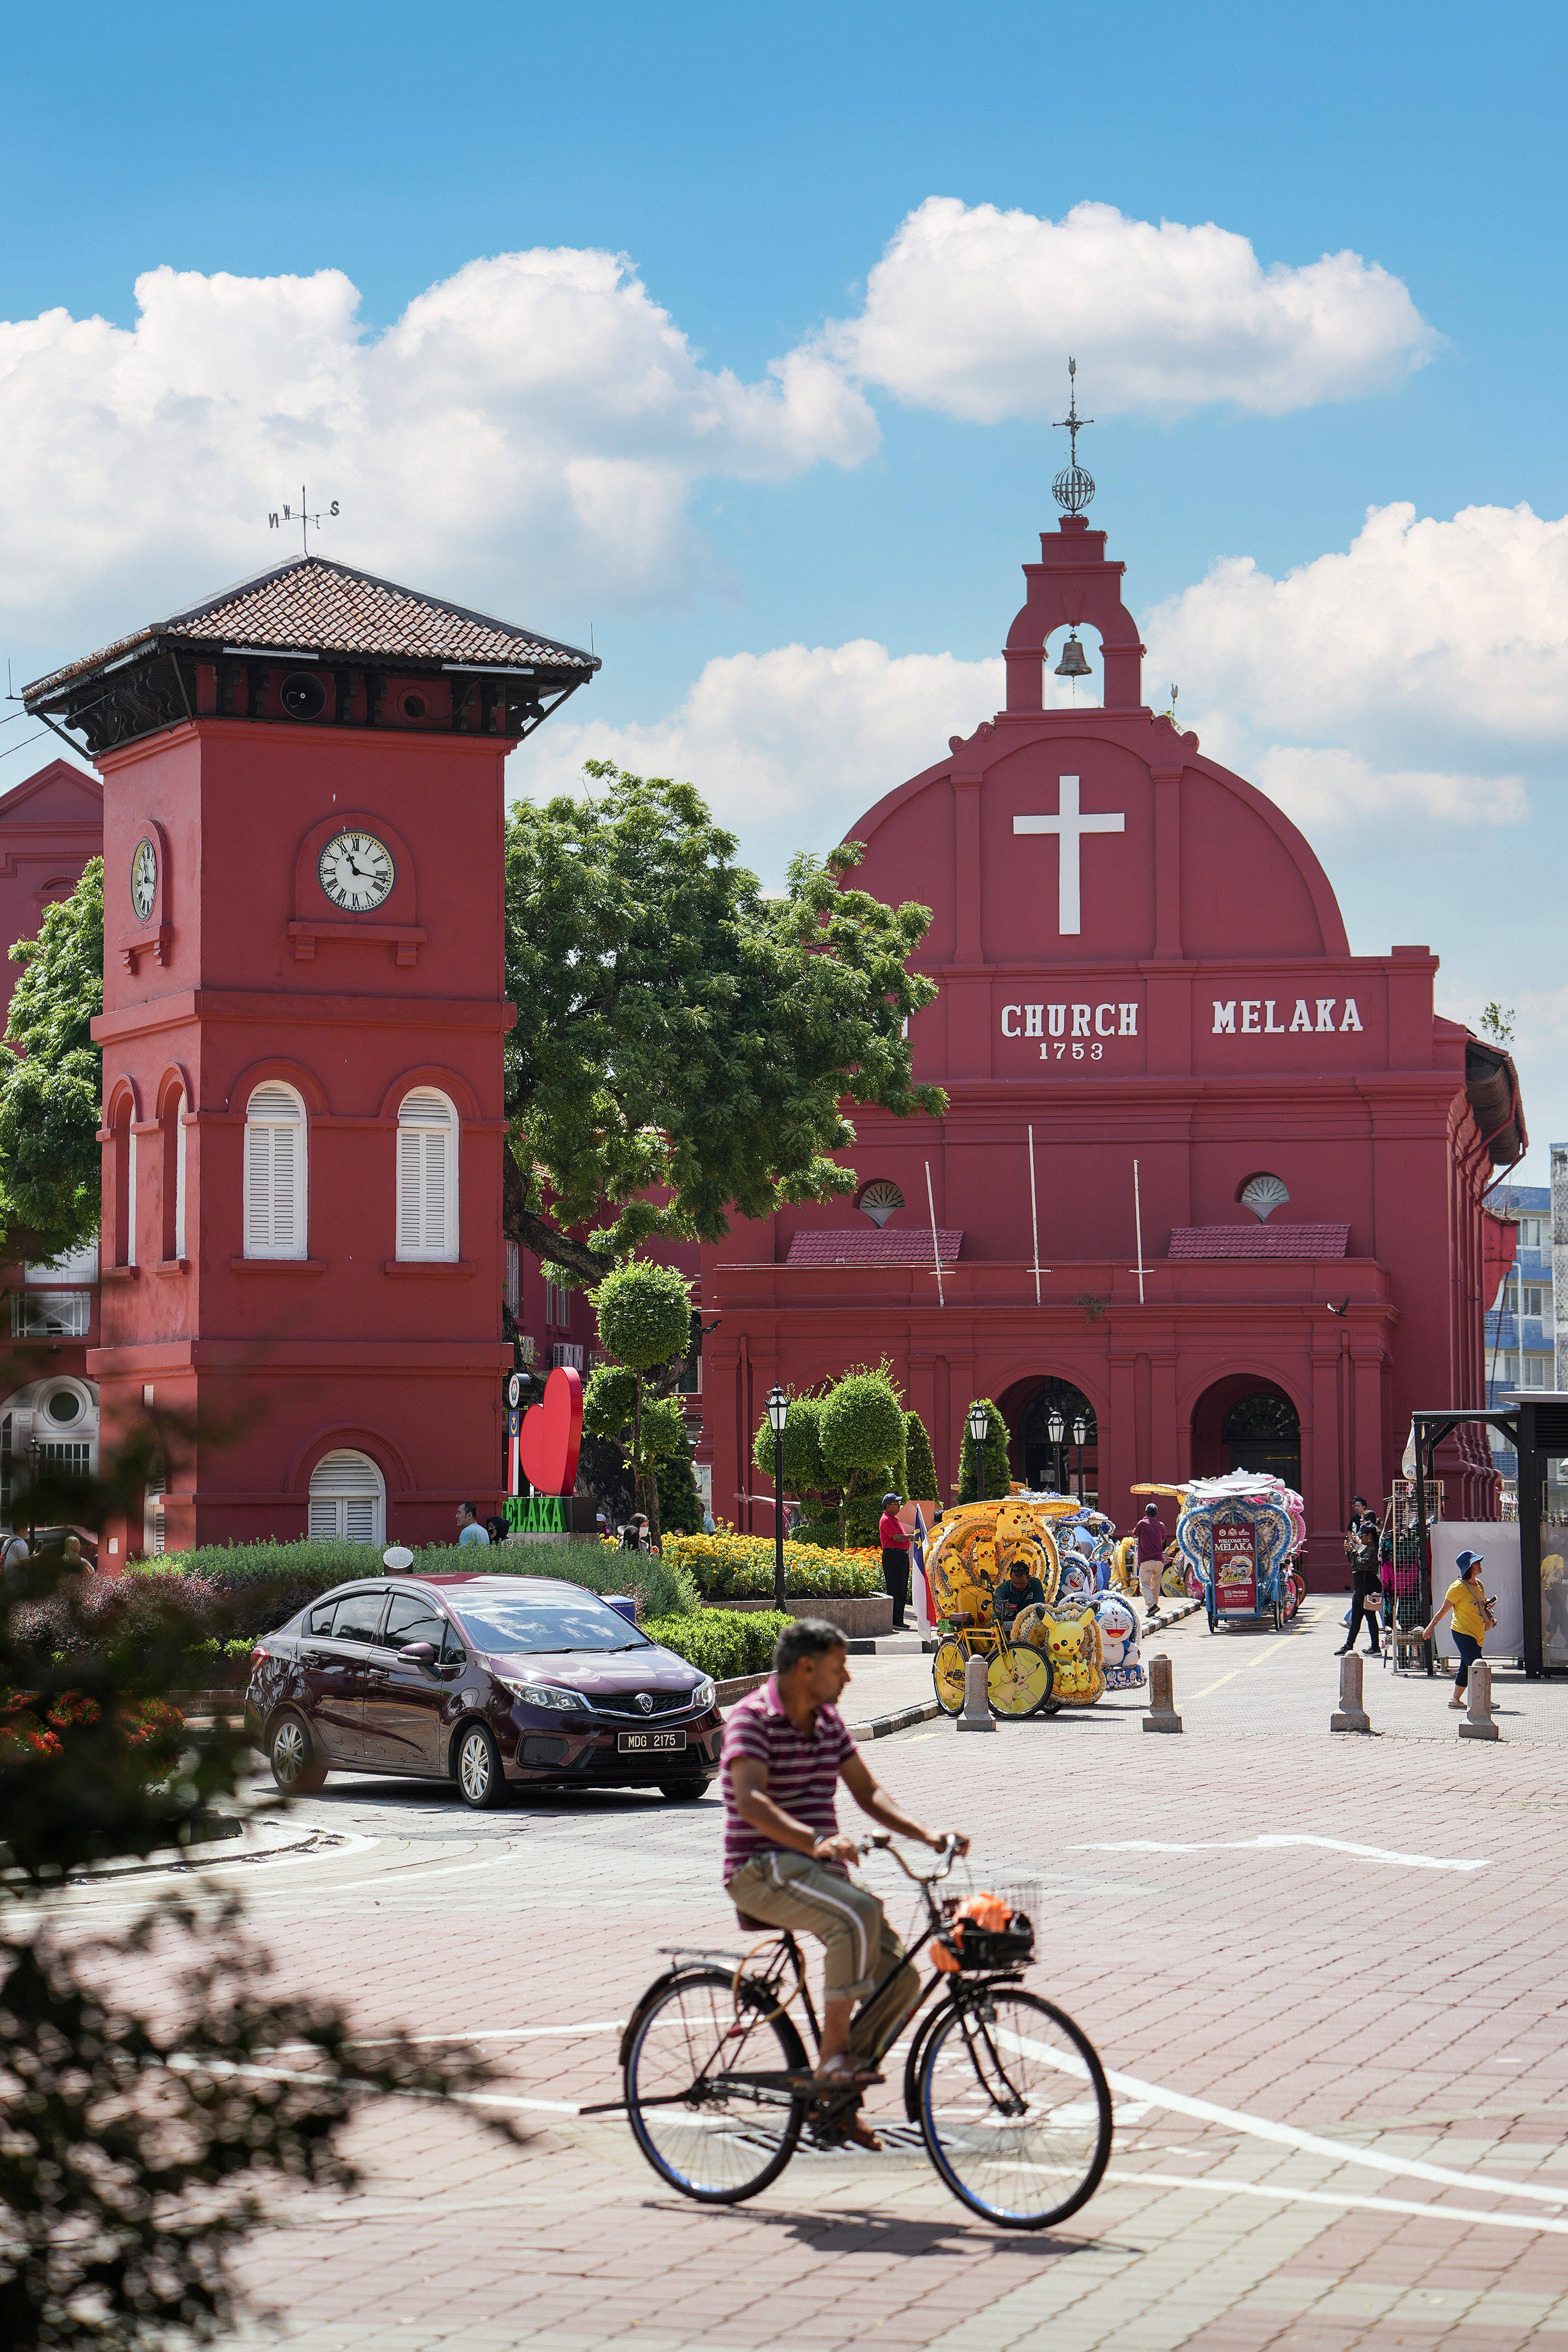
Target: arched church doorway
x=347 y=1499
x=1036 y=1411
x=1247 y=1423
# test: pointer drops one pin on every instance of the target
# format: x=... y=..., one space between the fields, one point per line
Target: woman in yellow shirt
x=1467 y=1597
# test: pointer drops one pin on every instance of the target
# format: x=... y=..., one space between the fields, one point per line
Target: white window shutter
x=435 y=1194
x=274 y=1172
x=408 y=1193
x=323 y=1522
x=347 y=1498
x=179 y=1180
x=257 y=1191
x=427 y=1176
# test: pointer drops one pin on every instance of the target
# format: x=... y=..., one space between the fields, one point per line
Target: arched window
x=427 y=1176
x=174 y=1142
x=123 y=1239
x=274 y=1172
x=347 y=1499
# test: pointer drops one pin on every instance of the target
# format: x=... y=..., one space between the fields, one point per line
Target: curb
x=903 y=1719
x=737 y=1687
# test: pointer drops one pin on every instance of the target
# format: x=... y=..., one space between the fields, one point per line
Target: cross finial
x=1072 y=422
x=302 y=516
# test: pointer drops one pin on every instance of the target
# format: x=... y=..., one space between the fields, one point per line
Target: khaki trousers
x=791 y=1890
x=1150 y=1572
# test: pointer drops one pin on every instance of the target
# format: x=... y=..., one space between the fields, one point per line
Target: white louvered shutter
x=275 y=1173
x=426 y=1177
x=347 y=1501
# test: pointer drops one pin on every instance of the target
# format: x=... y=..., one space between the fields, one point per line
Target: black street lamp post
x=777 y=1414
x=979 y=1429
x=1080 y=1438
x=1056 y=1430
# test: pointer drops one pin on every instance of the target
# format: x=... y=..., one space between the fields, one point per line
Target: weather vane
x=1073 y=487
x=302 y=516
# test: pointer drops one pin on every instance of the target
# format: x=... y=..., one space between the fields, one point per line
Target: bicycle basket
x=984 y=1933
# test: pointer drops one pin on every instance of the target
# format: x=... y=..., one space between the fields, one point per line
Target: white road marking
x=1221 y=2185
x=1233 y=1845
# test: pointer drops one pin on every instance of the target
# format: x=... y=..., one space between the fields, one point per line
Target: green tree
x=645 y=1322
x=684 y=1044
x=985 y=1480
x=680 y=1499
x=51 y=1079
x=919 y=1461
x=1497 y=1022
x=862 y=1436
x=143 y=2142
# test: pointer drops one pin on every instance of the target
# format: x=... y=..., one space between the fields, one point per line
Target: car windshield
x=544 y=1623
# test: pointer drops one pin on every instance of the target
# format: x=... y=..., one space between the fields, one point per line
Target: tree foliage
x=985 y=1474
x=51 y=1079
x=645 y=1318
x=843 y=1448
x=684 y=1042
x=919 y=1461
x=139 y=2147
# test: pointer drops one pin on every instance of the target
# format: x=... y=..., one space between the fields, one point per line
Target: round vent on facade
x=878 y=1200
x=1262 y=1194
x=302 y=696
x=413 y=705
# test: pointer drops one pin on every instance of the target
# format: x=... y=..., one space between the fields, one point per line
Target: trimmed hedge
x=724 y=1642
x=727 y=1566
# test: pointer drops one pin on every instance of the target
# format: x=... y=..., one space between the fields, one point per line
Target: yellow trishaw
x=973 y=1548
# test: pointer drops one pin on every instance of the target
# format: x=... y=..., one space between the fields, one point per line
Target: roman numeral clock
x=357 y=872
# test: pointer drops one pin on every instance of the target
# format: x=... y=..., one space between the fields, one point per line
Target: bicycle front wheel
x=1014 y=2109
x=1018 y=1680
x=948 y=1665
x=706 y=2089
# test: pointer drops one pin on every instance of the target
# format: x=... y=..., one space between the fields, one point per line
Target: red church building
x=1257 y=1161
x=304 y=1002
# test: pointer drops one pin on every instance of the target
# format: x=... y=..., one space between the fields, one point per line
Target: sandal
x=845 y=2073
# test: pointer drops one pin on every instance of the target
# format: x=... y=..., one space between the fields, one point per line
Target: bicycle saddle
x=753 y=1926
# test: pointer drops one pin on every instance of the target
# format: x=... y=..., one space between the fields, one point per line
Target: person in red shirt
x=1150 y=1532
x=895 y=1558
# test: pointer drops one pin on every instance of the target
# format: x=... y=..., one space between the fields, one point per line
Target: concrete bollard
x=1352 y=1715
x=1478 y=1723
x=977 y=1714
x=1162 y=1714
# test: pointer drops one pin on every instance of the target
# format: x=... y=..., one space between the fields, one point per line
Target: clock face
x=143 y=879
x=357 y=871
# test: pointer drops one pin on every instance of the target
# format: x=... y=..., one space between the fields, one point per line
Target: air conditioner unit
x=567 y=1354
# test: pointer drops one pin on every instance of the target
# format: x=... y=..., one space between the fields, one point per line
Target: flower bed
x=724 y=1642
x=727 y=1566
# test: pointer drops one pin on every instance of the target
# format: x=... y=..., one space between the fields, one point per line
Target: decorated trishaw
x=1237 y=1536
x=1062 y=1651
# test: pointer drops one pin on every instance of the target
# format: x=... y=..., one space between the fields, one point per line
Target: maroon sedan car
x=491 y=1681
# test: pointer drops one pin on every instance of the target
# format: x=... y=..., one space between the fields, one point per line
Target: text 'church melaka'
x=1208 y=1186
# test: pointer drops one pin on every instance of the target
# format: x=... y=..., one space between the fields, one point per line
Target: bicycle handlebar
x=947 y=1855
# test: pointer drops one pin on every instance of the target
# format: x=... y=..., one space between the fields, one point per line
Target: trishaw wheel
x=1018 y=1680
x=948 y=1664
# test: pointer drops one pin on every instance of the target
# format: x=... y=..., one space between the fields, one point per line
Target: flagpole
x=936 y=1244
x=1034 y=1216
x=1138 y=1219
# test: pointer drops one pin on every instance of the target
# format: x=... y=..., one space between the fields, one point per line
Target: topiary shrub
x=985 y=1481
x=679 y=1502
x=863 y=1433
x=644 y=1321
x=919 y=1461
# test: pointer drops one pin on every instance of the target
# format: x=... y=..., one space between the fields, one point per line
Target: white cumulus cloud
x=787 y=747
x=972 y=310
x=1324 y=789
x=536 y=414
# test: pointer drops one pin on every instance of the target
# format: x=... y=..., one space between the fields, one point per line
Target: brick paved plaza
x=1326 y=1972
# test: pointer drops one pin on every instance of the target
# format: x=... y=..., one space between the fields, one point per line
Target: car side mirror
x=421 y=1653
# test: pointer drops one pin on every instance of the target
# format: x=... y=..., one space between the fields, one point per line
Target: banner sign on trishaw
x=1235 y=1557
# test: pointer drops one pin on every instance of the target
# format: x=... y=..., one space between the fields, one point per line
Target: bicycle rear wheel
x=711 y=2136
x=948 y=1665
x=1018 y=1680
x=1014 y=2109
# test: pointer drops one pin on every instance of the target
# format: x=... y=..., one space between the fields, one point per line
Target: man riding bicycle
x=786 y=1748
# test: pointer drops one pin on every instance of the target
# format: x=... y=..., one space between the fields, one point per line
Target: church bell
x=1074 y=662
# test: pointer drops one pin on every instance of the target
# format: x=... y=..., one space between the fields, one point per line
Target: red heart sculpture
x=551 y=1435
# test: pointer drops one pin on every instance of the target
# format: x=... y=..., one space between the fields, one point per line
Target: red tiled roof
x=1268 y=1240
x=314 y=606
x=858 y=1245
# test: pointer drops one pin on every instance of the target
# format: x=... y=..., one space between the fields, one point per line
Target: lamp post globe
x=979 y=1424
x=778 y=1417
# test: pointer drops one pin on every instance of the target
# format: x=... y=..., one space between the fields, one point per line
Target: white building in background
x=1527 y=1345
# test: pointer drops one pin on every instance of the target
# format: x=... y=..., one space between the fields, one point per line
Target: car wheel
x=480 y=1782
x=682 y=1792
x=293 y=1759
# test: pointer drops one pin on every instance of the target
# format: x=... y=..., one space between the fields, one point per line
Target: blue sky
x=841 y=538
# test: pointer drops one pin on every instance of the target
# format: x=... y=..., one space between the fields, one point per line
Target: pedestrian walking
x=469 y=1529
x=1150 y=1536
x=1366 y=1578
x=1474 y=1616
x=895 y=1543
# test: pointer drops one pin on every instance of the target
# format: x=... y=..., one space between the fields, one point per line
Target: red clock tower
x=304 y=1008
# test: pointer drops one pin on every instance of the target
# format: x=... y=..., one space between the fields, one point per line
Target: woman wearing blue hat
x=1473 y=1613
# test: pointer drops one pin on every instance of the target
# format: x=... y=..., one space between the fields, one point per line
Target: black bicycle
x=1009 y=2096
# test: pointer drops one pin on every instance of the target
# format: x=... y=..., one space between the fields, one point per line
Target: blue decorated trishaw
x=1235 y=1536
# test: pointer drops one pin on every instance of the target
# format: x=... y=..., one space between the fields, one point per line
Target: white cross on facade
x=1072 y=825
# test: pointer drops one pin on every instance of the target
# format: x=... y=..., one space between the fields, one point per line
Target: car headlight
x=703 y=1697
x=568 y=1702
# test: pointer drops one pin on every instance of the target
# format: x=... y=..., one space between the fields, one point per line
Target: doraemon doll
x=1118 y=1623
x=1078 y=1577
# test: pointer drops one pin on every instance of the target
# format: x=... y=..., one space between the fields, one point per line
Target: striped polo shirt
x=802 y=1774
